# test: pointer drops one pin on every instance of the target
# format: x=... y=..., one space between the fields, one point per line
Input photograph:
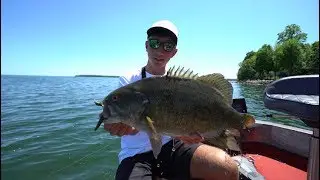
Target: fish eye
x=115 y=98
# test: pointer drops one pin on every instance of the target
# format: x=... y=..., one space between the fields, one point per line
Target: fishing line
x=78 y=160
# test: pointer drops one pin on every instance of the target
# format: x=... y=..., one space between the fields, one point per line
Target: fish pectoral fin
x=154 y=137
x=156 y=144
x=150 y=125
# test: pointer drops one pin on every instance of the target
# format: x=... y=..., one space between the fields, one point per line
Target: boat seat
x=272 y=169
x=297 y=96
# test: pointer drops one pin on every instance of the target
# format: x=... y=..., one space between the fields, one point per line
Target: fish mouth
x=103 y=116
x=101 y=119
x=108 y=116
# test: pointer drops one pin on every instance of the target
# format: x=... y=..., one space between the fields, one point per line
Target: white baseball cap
x=164 y=24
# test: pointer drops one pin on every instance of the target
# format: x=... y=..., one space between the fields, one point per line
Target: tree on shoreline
x=247 y=70
x=264 y=61
x=292 y=31
x=290 y=56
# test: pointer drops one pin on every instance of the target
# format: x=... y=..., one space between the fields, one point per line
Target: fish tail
x=249 y=121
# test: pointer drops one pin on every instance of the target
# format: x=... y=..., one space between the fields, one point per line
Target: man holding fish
x=163 y=116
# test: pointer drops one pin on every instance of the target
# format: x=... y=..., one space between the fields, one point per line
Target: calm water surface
x=47 y=127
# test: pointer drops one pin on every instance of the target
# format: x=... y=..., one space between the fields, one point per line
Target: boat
x=279 y=152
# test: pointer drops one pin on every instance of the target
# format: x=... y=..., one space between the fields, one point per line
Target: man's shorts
x=170 y=164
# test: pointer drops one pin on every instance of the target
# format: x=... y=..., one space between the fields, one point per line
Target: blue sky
x=69 y=37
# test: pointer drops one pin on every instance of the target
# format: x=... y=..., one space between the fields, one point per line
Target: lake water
x=47 y=126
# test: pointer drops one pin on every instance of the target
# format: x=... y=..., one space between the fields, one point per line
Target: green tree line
x=291 y=55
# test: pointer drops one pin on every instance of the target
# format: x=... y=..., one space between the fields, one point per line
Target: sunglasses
x=167 y=46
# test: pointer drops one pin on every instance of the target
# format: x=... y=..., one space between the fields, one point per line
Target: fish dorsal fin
x=181 y=73
x=218 y=81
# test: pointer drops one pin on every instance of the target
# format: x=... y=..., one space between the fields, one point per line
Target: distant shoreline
x=256 y=81
x=246 y=82
x=253 y=82
x=96 y=76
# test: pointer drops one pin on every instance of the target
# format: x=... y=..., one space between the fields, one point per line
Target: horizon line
x=79 y=75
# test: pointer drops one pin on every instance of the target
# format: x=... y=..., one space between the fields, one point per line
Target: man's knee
x=212 y=162
x=130 y=169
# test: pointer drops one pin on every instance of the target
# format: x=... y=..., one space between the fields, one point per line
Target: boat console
x=299 y=96
x=276 y=151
